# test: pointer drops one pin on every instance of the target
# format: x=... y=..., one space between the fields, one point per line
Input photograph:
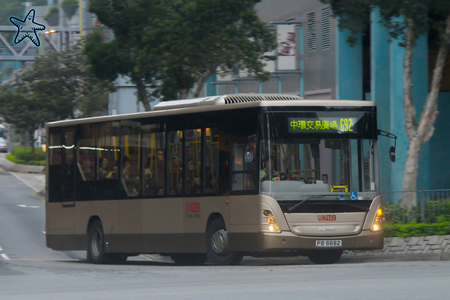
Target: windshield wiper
x=309 y=197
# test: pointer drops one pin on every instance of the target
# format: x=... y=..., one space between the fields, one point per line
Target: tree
x=23 y=110
x=55 y=87
x=172 y=46
x=124 y=55
x=406 y=20
x=63 y=81
x=207 y=36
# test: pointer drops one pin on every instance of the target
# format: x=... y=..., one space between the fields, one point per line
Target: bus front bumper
x=287 y=241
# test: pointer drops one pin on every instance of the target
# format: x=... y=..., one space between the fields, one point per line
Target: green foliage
x=27 y=153
x=416 y=229
x=434 y=211
x=53 y=10
x=26 y=156
x=397 y=222
x=70 y=2
x=172 y=46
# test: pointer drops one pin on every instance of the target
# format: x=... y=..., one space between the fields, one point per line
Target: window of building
x=326 y=28
x=311 y=32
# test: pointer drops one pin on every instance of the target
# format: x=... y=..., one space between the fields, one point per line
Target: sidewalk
x=9 y=166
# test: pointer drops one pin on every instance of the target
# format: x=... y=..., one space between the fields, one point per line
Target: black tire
x=325 y=256
x=96 y=244
x=189 y=259
x=116 y=258
x=217 y=245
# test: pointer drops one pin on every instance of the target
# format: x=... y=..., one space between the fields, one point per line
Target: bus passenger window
x=175 y=163
x=131 y=159
x=212 y=161
x=153 y=145
x=193 y=165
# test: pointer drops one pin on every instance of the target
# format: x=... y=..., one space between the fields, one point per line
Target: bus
x=213 y=179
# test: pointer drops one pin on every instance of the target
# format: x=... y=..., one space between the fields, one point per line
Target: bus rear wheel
x=217 y=245
x=325 y=256
x=189 y=259
x=96 y=243
x=96 y=247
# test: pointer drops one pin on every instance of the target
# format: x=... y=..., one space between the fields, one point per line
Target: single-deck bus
x=216 y=178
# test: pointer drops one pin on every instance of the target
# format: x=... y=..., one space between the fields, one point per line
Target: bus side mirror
x=392 y=153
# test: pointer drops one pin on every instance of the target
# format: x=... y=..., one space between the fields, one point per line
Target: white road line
x=5 y=257
x=24 y=182
x=43 y=232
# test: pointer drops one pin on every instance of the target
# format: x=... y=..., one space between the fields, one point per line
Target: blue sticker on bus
x=354 y=196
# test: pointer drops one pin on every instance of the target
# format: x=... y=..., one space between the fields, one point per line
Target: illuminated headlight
x=376 y=226
x=268 y=219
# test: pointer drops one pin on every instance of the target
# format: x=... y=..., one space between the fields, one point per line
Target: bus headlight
x=268 y=219
x=376 y=226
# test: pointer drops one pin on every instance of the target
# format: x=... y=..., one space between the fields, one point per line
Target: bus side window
x=153 y=147
x=175 y=163
x=193 y=157
x=131 y=157
x=211 y=161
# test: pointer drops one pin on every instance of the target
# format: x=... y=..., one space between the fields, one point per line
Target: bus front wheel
x=189 y=259
x=325 y=256
x=217 y=245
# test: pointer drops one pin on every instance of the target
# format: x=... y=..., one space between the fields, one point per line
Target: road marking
x=24 y=181
x=5 y=257
x=27 y=206
x=37 y=196
x=1 y=248
x=43 y=232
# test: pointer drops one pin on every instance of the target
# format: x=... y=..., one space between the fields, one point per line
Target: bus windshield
x=338 y=164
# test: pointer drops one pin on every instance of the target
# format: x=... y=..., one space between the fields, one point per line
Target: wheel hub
x=219 y=241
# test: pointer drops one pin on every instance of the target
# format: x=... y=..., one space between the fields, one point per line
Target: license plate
x=328 y=243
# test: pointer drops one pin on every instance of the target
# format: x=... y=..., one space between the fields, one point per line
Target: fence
x=431 y=206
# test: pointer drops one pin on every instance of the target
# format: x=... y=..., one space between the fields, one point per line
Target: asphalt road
x=28 y=270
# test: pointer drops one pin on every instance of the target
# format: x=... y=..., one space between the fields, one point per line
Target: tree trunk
x=142 y=95
x=420 y=134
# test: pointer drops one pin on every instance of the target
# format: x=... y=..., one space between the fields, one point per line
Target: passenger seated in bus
x=193 y=182
x=130 y=177
x=154 y=175
x=176 y=175
x=267 y=172
x=104 y=168
x=114 y=174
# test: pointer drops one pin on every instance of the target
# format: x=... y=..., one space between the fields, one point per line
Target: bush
x=13 y=159
x=25 y=155
x=416 y=229
x=434 y=210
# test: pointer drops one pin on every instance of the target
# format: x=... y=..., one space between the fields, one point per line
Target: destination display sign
x=322 y=125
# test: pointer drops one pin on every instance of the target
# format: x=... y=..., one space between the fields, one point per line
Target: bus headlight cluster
x=376 y=226
x=268 y=219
